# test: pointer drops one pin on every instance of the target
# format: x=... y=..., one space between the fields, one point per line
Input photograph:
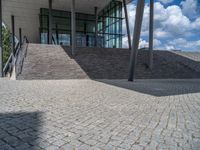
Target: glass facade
x=109 y=27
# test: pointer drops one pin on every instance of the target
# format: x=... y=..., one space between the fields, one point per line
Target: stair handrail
x=25 y=41
x=53 y=40
x=10 y=64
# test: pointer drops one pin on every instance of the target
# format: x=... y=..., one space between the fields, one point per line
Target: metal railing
x=53 y=40
x=20 y=56
x=14 y=58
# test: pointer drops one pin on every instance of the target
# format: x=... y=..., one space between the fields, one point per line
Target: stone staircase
x=49 y=62
x=56 y=62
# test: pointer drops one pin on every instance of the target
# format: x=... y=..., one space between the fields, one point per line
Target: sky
x=176 y=25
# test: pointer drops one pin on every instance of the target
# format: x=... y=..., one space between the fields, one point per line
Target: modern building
x=75 y=23
x=109 y=27
x=33 y=18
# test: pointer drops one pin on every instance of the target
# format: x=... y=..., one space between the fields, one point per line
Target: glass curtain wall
x=61 y=24
x=109 y=27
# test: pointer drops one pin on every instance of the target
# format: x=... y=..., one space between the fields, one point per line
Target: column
x=73 y=26
x=96 y=26
x=127 y=24
x=151 y=29
x=50 y=22
x=136 y=38
x=1 y=42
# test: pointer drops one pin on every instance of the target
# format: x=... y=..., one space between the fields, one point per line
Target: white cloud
x=169 y=23
x=131 y=14
x=189 y=8
x=169 y=47
x=160 y=13
x=161 y=33
x=176 y=23
x=157 y=43
x=125 y=42
x=182 y=43
x=196 y=24
x=166 y=1
x=143 y=43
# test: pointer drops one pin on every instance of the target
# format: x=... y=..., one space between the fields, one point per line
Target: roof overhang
x=82 y=6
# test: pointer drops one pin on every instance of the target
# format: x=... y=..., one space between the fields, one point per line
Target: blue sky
x=177 y=25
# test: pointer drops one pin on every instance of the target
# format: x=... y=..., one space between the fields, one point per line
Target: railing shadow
x=19 y=130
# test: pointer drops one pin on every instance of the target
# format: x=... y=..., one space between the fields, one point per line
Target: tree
x=6 y=44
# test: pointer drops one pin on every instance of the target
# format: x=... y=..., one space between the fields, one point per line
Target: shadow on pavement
x=19 y=130
x=99 y=63
x=158 y=88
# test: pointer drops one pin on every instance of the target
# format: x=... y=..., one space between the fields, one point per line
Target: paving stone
x=2 y=142
x=6 y=147
x=24 y=146
x=52 y=147
x=67 y=147
x=99 y=114
x=137 y=147
x=43 y=144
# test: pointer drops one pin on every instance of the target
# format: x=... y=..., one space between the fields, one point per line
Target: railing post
x=20 y=37
x=57 y=35
x=13 y=36
x=73 y=26
x=96 y=25
x=1 y=42
x=50 y=22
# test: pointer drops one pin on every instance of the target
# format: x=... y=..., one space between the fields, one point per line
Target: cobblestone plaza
x=66 y=72
x=104 y=114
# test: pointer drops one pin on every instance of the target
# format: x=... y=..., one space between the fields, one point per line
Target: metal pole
x=136 y=38
x=103 y=31
x=151 y=28
x=1 y=42
x=73 y=24
x=50 y=22
x=127 y=24
x=13 y=36
x=96 y=25
x=57 y=34
x=20 y=37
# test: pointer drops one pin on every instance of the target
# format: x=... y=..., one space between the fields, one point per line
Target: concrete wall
x=26 y=16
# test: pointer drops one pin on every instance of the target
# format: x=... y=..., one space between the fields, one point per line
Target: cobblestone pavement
x=86 y=114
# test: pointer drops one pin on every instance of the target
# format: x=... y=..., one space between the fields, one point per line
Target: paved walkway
x=106 y=114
